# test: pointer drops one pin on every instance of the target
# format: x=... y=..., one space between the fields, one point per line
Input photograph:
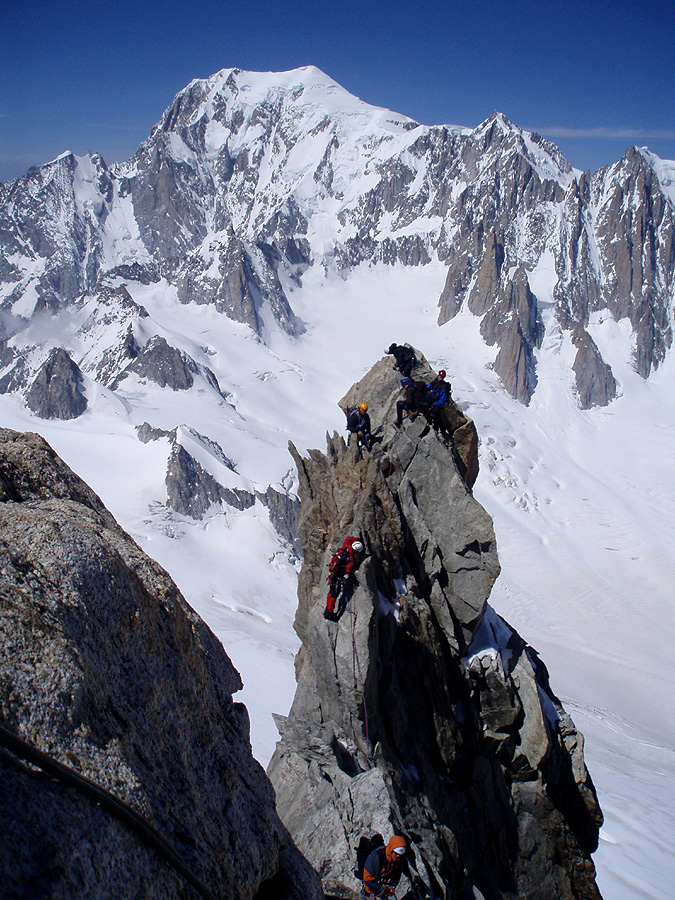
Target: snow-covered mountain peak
x=251 y=178
x=499 y=134
x=241 y=101
x=665 y=172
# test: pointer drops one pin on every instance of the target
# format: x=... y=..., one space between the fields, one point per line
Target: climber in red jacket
x=341 y=578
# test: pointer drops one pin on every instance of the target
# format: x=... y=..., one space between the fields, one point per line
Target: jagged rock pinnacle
x=402 y=721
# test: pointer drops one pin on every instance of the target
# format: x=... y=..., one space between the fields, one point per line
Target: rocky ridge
x=108 y=671
x=421 y=711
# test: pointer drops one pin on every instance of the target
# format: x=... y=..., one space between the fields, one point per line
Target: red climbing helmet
x=441 y=374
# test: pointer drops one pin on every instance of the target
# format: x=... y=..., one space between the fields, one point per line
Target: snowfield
x=583 y=504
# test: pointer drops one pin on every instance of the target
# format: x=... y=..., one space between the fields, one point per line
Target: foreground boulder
x=421 y=711
x=125 y=763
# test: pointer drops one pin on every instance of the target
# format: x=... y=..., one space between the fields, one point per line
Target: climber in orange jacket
x=383 y=868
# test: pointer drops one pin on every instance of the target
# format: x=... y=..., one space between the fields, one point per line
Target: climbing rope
x=104 y=799
x=359 y=681
x=356 y=667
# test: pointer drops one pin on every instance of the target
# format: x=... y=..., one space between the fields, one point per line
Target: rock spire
x=421 y=711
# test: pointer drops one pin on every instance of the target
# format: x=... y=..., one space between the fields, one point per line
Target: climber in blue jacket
x=438 y=395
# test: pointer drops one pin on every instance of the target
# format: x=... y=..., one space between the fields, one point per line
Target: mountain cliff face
x=421 y=710
x=109 y=673
x=249 y=179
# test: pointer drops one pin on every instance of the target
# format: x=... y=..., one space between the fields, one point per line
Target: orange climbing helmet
x=396 y=847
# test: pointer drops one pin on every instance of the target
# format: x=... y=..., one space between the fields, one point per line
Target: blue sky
x=593 y=77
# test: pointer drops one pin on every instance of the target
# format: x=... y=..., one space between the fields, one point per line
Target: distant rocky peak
x=498 y=134
x=57 y=390
x=252 y=104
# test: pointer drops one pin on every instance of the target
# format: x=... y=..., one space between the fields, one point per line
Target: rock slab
x=108 y=671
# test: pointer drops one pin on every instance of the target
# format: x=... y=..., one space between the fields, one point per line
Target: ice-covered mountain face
x=251 y=178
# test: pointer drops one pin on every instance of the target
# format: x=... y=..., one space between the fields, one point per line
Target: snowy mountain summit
x=251 y=179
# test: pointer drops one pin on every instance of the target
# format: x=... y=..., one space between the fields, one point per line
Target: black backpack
x=353 y=418
x=367 y=843
x=421 y=395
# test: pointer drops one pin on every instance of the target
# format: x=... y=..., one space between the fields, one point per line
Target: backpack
x=338 y=561
x=439 y=392
x=353 y=418
x=421 y=395
x=367 y=843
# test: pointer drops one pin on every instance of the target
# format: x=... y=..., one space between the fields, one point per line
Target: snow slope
x=583 y=503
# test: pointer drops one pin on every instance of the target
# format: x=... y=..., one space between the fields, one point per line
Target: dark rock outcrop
x=192 y=491
x=284 y=513
x=146 y=433
x=514 y=323
x=245 y=279
x=56 y=392
x=596 y=384
x=420 y=710
x=109 y=672
x=636 y=237
x=163 y=364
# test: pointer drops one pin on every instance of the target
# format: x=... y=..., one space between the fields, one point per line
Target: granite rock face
x=421 y=710
x=109 y=672
x=192 y=491
x=596 y=384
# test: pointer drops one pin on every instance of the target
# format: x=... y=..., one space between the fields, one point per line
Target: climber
x=415 y=400
x=341 y=578
x=438 y=394
x=358 y=423
x=382 y=870
x=404 y=356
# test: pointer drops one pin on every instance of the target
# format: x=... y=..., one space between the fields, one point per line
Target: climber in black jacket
x=358 y=423
x=404 y=356
x=414 y=400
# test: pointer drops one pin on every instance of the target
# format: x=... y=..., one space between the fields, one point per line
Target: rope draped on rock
x=356 y=665
x=147 y=833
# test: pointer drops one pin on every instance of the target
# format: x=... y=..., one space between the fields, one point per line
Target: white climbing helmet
x=357 y=546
